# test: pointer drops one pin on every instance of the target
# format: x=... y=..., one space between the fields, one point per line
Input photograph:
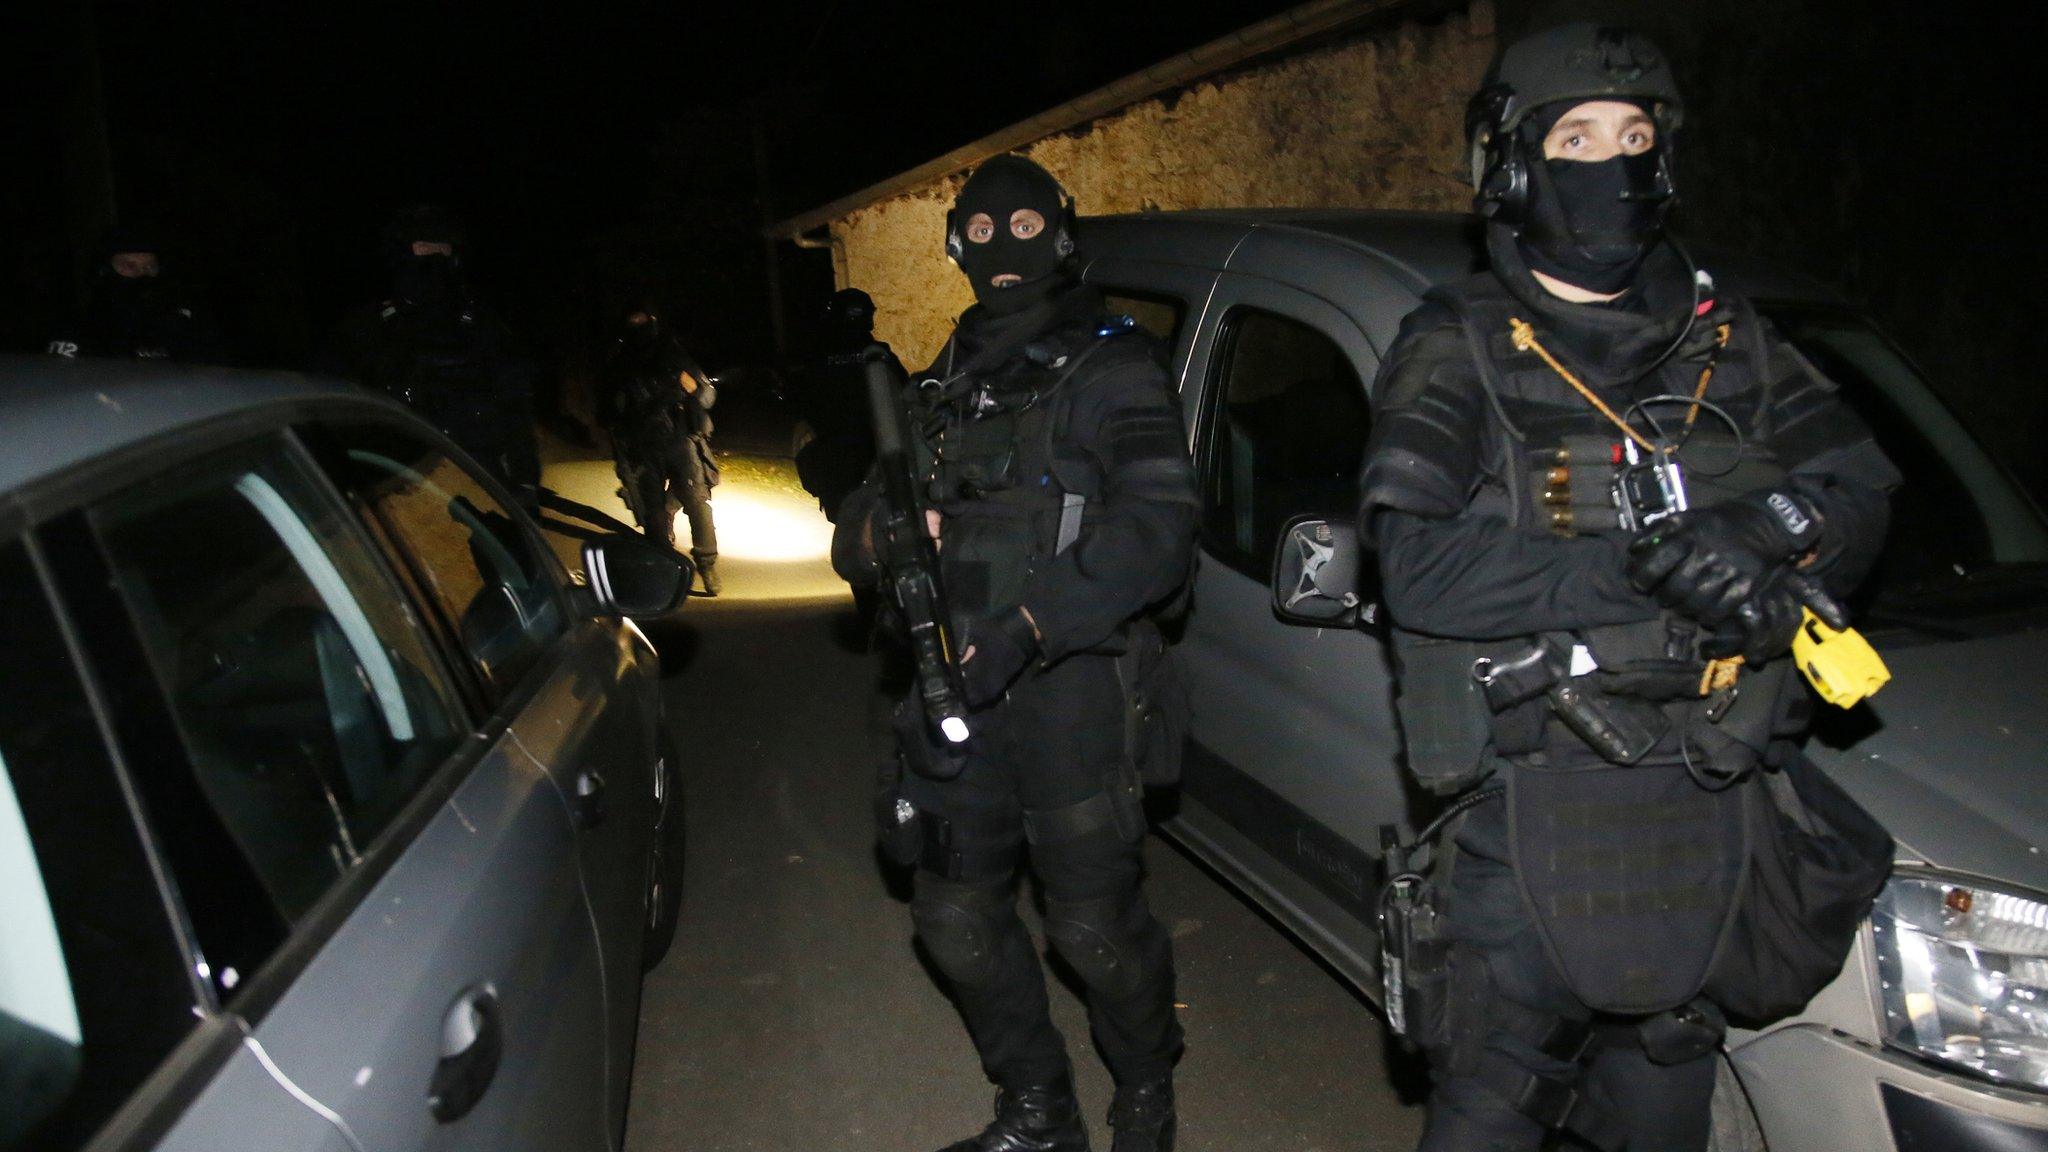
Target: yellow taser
x=1841 y=665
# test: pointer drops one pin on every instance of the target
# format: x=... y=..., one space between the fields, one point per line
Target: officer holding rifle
x=1045 y=453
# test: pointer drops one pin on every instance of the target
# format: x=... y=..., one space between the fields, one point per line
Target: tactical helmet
x=1573 y=62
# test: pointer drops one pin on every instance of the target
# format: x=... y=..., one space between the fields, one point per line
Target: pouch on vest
x=1631 y=874
x=1445 y=723
x=1819 y=862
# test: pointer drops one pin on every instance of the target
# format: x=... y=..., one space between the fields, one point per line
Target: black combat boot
x=1143 y=1117
x=707 y=571
x=1043 y=1119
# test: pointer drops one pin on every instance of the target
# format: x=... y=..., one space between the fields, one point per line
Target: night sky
x=586 y=143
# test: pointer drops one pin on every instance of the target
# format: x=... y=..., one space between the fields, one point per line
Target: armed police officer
x=1604 y=494
x=433 y=345
x=831 y=397
x=137 y=309
x=1058 y=483
x=655 y=403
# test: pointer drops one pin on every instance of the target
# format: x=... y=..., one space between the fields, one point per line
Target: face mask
x=999 y=189
x=1592 y=223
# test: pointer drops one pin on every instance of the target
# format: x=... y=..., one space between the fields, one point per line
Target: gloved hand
x=998 y=646
x=1706 y=563
x=1764 y=625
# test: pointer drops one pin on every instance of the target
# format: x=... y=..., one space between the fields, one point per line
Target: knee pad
x=1112 y=943
x=961 y=927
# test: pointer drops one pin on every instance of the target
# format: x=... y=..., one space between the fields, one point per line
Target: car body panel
x=592 y=725
x=246 y=1105
x=487 y=894
x=482 y=887
x=1954 y=766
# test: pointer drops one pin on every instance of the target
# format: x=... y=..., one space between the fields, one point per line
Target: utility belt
x=1620 y=695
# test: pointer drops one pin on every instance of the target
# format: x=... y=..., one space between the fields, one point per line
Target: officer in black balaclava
x=830 y=396
x=655 y=403
x=135 y=311
x=1056 y=478
x=432 y=345
x=1603 y=493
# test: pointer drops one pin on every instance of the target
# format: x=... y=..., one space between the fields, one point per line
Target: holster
x=1156 y=707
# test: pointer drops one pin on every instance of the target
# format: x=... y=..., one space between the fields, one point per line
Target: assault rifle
x=910 y=558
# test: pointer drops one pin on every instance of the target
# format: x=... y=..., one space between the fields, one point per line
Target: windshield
x=1958 y=515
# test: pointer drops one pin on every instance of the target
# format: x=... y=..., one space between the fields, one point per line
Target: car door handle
x=588 y=805
x=472 y=1044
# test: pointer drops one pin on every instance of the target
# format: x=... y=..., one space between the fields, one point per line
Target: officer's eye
x=1637 y=140
x=1026 y=223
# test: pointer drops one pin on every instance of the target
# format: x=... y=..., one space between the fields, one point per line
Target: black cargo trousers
x=1525 y=1054
x=1041 y=784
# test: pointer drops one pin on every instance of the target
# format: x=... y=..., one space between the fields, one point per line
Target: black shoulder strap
x=1489 y=382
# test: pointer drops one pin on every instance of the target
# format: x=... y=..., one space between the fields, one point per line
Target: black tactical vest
x=1556 y=465
x=998 y=463
x=1633 y=871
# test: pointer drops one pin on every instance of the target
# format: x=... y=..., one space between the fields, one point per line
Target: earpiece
x=1500 y=173
x=1063 y=239
x=955 y=247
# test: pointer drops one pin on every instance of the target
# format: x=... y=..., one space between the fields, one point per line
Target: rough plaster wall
x=1374 y=123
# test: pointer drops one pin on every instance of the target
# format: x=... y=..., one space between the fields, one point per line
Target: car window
x=497 y=590
x=304 y=695
x=1957 y=514
x=1285 y=432
x=1158 y=314
x=94 y=990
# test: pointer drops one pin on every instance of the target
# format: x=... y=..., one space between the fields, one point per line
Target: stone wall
x=1375 y=122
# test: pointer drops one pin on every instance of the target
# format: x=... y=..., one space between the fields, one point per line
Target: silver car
x=1935 y=1036
x=334 y=815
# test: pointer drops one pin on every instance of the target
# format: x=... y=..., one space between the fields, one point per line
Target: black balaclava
x=1590 y=224
x=999 y=188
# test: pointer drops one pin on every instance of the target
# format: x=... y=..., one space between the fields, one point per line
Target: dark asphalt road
x=793 y=1012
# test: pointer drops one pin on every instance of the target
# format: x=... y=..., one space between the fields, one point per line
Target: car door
x=1294 y=748
x=570 y=690
x=385 y=898
x=108 y=1038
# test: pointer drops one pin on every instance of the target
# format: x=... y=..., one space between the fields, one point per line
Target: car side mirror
x=636 y=578
x=1321 y=577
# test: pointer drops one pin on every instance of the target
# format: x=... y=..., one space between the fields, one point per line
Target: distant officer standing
x=655 y=403
x=135 y=311
x=1603 y=491
x=1058 y=482
x=831 y=397
x=433 y=345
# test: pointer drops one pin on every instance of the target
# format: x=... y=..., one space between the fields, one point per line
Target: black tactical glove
x=1764 y=625
x=1003 y=643
x=1707 y=562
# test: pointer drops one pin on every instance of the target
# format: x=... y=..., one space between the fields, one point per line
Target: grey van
x=334 y=815
x=1935 y=1036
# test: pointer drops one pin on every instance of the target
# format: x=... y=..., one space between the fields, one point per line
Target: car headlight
x=1963 y=975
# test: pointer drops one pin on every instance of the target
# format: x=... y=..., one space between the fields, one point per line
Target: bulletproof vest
x=445 y=368
x=1632 y=868
x=995 y=463
x=1560 y=467
x=643 y=405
